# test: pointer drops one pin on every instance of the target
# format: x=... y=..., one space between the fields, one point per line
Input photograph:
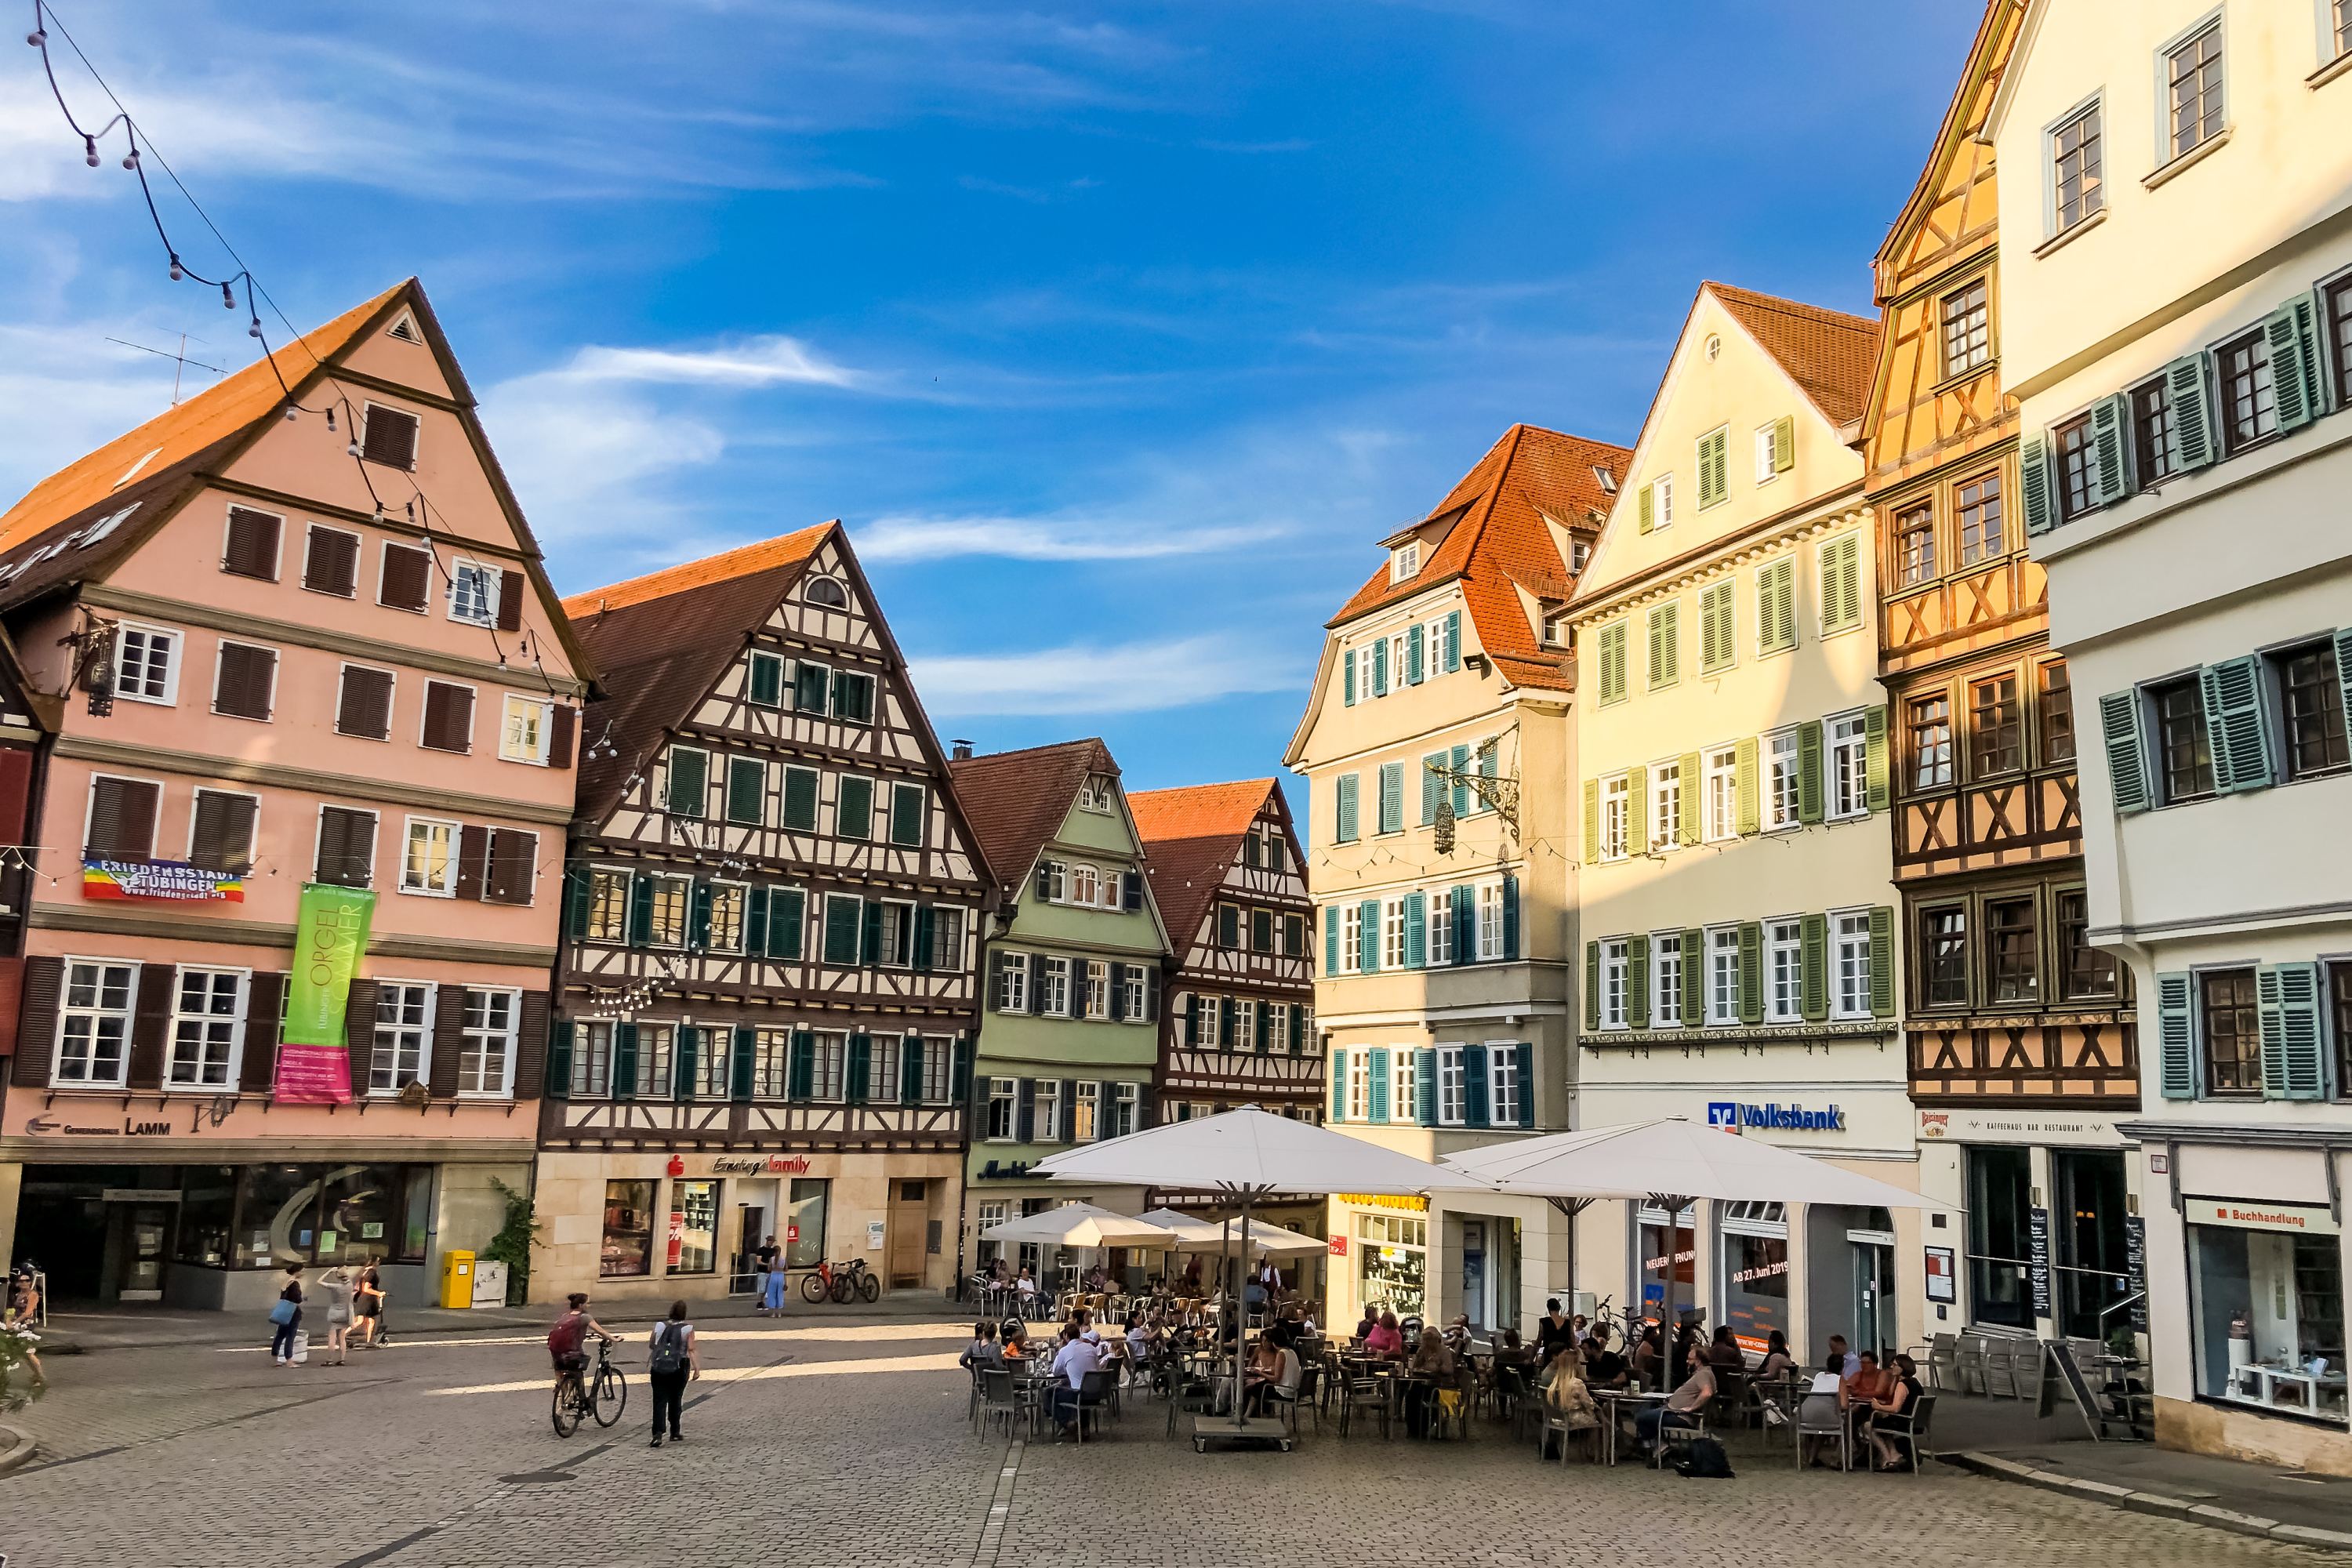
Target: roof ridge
x=1216 y=783
x=1028 y=750
x=1782 y=302
x=759 y=555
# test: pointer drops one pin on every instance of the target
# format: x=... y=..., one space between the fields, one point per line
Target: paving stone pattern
x=197 y=1455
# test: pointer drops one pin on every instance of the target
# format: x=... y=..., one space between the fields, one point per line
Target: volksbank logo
x=1735 y=1116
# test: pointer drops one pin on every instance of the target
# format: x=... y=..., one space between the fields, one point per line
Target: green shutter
x=800 y=1065
x=853 y=809
x=1591 y=986
x=1717 y=647
x=1809 y=771
x=2294 y=1063
x=1338 y=1081
x=1637 y=982
x=1392 y=786
x=1453 y=641
x=1776 y=612
x=842 y=928
x=578 y=891
x=799 y=799
x=2235 y=719
x=809 y=686
x=738 y=1067
x=907 y=813
x=1458 y=766
x=1344 y=809
x=1347 y=678
x=681 y=1067
x=1646 y=503
x=624 y=1061
x=2193 y=439
x=1687 y=830
x=1381 y=668
x=869 y=946
x=1751 y=818
x=1510 y=916
x=747 y=790
x=1368 y=926
x=767 y=679
x=697 y=917
x=962 y=1069
x=1416 y=930
x=689 y=791
x=1882 y=962
x=641 y=909
x=1874 y=735
x=787 y=918
x=1666 y=644
x=1473 y=1086
x=1331 y=939
x=1751 y=972
x=2176 y=1032
x=1376 y=1106
x=1413 y=636
x=558 y=1059
x=755 y=922
x=1433 y=785
x=1814 y=989
x=1591 y=821
x=2119 y=727
x=1784 y=444
x=1694 y=979
x=1613 y=661
x=2033 y=478
x=911 y=1072
x=861 y=1068
x=2111 y=458
x=2292 y=378
x=1841 y=582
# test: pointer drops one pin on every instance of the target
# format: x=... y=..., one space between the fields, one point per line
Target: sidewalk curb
x=2156 y=1504
x=15 y=1447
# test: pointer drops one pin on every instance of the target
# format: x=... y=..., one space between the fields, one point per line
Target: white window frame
x=277 y=550
x=1616 y=808
x=220 y=653
x=742 y=892
x=1097 y=987
x=1664 y=807
x=1845 y=767
x=1438 y=928
x=1126 y=1099
x=424 y=1044
x=369 y=405
x=1722 y=976
x=391 y=699
x=491 y=579
x=1351 y=939
x=195 y=800
x=359 y=552
x=1487 y=903
x=1662 y=505
x=1137 y=986
x=1404 y=560
x=546 y=709
x=1616 y=981
x=1719 y=802
x=1766 y=450
x=1082 y=885
x=1784 y=969
x=1054 y=996
x=1666 y=960
x=1005 y=1091
x=1503 y=1083
x=1393 y=933
x=685 y=910
x=1045 y=1113
x=427 y=890
x=1097 y=793
x=318 y=833
x=474 y=1042
x=1244 y=1024
x=1779 y=809
x=1849 y=964
x=175 y=649
x=1085 y=1112
x=240 y=992
x=1014 y=968
x=2094 y=104
x=1452 y=1088
x=1404 y=1084
x=473 y=714
x=98 y=1014
x=1359 y=1085
x=2215 y=22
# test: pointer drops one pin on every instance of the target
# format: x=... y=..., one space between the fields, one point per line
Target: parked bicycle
x=842 y=1281
x=602 y=1397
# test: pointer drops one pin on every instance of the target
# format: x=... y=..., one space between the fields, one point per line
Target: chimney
x=962 y=752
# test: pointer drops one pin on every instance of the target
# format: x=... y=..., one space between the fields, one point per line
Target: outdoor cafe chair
x=1567 y=1425
x=1730 y=1406
x=1908 y=1429
x=1449 y=1402
x=1968 y=1366
x=1190 y=1396
x=1943 y=1360
x=1097 y=1392
x=1296 y=1390
x=1000 y=1398
x=1368 y=1392
x=1836 y=1429
x=1674 y=1426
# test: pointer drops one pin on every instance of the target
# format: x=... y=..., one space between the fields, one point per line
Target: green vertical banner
x=330 y=934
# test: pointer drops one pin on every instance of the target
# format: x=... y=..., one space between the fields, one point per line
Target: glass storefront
x=2267 y=1309
x=2091 y=1274
x=207 y=1215
x=805 y=1249
x=1654 y=1251
x=694 y=1227
x=2001 y=1213
x=1393 y=1262
x=1755 y=1271
x=628 y=1247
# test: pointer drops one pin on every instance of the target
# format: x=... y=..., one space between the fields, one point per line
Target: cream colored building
x=1436 y=750
x=2176 y=209
x=1737 y=940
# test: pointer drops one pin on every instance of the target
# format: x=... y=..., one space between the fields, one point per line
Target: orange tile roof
x=1828 y=353
x=1528 y=474
x=1191 y=837
x=1198 y=811
x=213 y=415
x=790 y=549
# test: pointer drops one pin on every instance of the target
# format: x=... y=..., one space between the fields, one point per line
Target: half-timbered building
x=773 y=912
x=2019 y=1032
x=1238 y=1028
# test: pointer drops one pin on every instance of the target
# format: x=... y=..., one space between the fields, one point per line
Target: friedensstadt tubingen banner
x=330 y=934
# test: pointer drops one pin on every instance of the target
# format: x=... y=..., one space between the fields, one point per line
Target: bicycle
x=602 y=1398
x=841 y=1282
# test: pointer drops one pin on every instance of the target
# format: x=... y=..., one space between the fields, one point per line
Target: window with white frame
x=829 y=1065
x=1490 y=921
x=1784 y=971
x=1721 y=799
x=1086 y=1113
x=1098 y=988
x=1278 y=1028
x=726 y=904
x=1046 y=1123
x=404 y=1027
x=429 y=863
x=207 y=1021
x=1124 y=1102
x=1432 y=647
x=671 y=897
x=2193 y=90
x=1244 y=1025
x=1503 y=1085
x=1766 y=470
x=1404 y=560
x=1663 y=514
x=1359 y=1086
x=1351 y=938
x=712 y=1070
x=656 y=1062
x=147 y=664
x=1848 y=745
x=1666 y=980
x=524 y=730
x=939 y=1070
x=1054 y=989
x=1012 y=981
x=2077 y=168
x=1850 y=958
x=1392 y=933
x=608 y=905
x=1441 y=926
x=94 y=1022
x=1666 y=804
x=1452 y=1088
x=591 y=1059
x=473 y=591
x=1616 y=961
x=1003 y=1109
x=1404 y=1083
x=485 y=1057
x=1097 y=794
x=1723 y=976
x=1136 y=1006
x=1085 y=885
x=1616 y=801
x=1109 y=895
x=1780 y=775
x=771 y=1063
x=1211 y=1011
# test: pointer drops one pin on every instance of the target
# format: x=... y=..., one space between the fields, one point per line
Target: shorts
x=369 y=1309
x=574 y=1361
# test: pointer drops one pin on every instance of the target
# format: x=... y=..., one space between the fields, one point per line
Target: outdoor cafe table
x=1611 y=1401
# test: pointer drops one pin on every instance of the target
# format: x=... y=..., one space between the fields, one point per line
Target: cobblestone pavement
x=847 y=1443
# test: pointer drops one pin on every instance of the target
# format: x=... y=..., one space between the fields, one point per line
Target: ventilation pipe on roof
x=962 y=752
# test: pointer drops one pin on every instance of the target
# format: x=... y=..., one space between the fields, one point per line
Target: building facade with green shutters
x=773 y=912
x=1073 y=968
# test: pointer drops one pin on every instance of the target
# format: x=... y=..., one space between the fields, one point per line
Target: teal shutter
x=641 y=909
x=1381 y=668
x=1338 y=1082
x=578 y=883
x=1412 y=654
x=1465 y=927
x=927 y=935
x=767 y=679
x=1815 y=987
x=787 y=916
x=907 y=813
x=2176 y=1033
x=1331 y=939
x=747 y=790
x=1510 y=916
x=2119 y=727
x=1751 y=972
x=2193 y=439
x=962 y=1088
x=2295 y=1060
x=688 y=792
x=869 y=947
x=624 y=1061
x=1416 y=930
x=738 y=1077
x=558 y=1059
x=1392 y=786
x=1344 y=809
x=681 y=1067
x=1347 y=678
x=1377 y=1100
x=1453 y=641
x=1882 y=962
x=1809 y=771
x=1433 y=785
x=1425 y=1085
x=861 y=1068
x=2235 y=719
x=755 y=922
x=2294 y=379
x=809 y=687
x=911 y=1070
x=1367 y=951
x=1459 y=768
x=800 y=1065
x=1524 y=1065
x=2033 y=478
x=2110 y=449
x=799 y=799
x=1473 y=1086
x=698 y=919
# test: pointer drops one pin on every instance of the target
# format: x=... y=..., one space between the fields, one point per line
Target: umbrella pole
x=1241 y=1321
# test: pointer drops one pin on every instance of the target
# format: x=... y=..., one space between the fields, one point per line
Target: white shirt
x=1075 y=1360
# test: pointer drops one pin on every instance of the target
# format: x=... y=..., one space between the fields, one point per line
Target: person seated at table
x=983 y=1350
x=1649 y=1357
x=1191 y=1285
x=1385 y=1341
x=1364 y=1326
x=1075 y=1359
x=1457 y=1332
x=1553 y=1329
x=999 y=1272
x=1604 y=1368
x=1262 y=1371
x=1027 y=1286
x=1697 y=1393
x=1776 y=1361
x=1687 y=1340
x=1725 y=1353
x=1857 y=1393
x=1900 y=1397
x=1840 y=1360
x=1565 y=1393
x=1096 y=1279
x=1509 y=1347
x=1016 y=1354
x=1432 y=1366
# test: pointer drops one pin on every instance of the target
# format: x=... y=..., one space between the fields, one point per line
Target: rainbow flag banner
x=172 y=882
x=331 y=937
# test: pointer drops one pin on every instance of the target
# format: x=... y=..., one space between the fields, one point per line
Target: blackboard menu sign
x=2136 y=1262
x=2038 y=1240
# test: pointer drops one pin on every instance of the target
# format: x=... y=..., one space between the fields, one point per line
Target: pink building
x=313 y=648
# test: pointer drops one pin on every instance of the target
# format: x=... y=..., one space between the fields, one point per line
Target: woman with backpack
x=674 y=1360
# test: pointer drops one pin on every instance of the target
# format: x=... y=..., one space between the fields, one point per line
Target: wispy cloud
x=1287 y=144
x=1042 y=539
x=771 y=360
x=1094 y=678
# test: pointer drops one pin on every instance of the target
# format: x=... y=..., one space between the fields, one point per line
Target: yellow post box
x=458 y=1277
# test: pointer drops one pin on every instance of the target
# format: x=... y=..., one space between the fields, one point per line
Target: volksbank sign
x=1738 y=1116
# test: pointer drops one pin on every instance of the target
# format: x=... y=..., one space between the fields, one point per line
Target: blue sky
x=1116 y=333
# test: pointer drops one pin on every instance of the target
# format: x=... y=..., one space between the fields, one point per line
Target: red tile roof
x=1828 y=353
x=1529 y=474
x=1016 y=801
x=768 y=554
x=1191 y=837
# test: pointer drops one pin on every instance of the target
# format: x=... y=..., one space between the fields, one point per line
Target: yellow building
x=1738 y=950
x=1435 y=745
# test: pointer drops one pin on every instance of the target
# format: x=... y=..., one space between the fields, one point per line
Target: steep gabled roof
x=1500 y=536
x=1191 y=836
x=1016 y=801
x=1828 y=353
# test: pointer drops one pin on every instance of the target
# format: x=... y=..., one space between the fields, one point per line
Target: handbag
x=301 y=1351
x=283 y=1313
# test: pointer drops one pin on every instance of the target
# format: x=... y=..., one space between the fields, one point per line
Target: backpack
x=565 y=1339
x=669 y=1349
x=1705 y=1456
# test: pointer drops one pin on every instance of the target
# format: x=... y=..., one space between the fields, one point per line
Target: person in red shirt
x=566 y=1339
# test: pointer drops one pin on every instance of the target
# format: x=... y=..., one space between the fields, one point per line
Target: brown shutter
x=264 y=1003
x=366 y=706
x=150 y=1020
x=563 y=724
x=251 y=549
x=473 y=860
x=121 y=819
x=330 y=563
x=407 y=574
x=448 y=716
x=36 y=1022
x=511 y=855
x=205 y=848
x=391 y=438
x=222 y=839
x=244 y=685
x=530 y=1049
x=346 y=848
x=512 y=586
x=449 y=1038
x=359 y=1029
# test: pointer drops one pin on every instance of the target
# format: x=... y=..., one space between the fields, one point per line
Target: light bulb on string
x=130 y=160
x=228 y=299
x=254 y=329
x=178 y=271
x=289 y=413
x=330 y=417
x=89 y=150
x=36 y=37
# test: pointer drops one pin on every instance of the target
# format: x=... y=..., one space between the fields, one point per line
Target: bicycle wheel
x=611 y=1396
x=869 y=1286
x=812 y=1287
x=566 y=1413
x=843 y=1288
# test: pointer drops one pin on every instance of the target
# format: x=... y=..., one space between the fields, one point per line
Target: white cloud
x=1083 y=677
x=69 y=391
x=1042 y=539
x=769 y=361
x=582 y=460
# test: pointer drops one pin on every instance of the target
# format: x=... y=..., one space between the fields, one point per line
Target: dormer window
x=1556 y=630
x=1404 y=560
x=1097 y=793
x=1608 y=480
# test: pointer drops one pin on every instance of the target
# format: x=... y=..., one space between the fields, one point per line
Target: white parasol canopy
x=1197 y=1234
x=1673 y=1158
x=1254 y=1151
x=1080 y=1224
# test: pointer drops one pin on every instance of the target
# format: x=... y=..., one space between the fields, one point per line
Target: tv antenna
x=180 y=360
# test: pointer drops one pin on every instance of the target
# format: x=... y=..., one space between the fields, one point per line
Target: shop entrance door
x=1474 y=1271
x=143 y=1241
x=2094 y=1275
x=910 y=1206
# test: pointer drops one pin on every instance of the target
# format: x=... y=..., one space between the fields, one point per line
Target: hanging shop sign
x=773 y=1165
x=161 y=881
x=330 y=936
x=1386 y=1201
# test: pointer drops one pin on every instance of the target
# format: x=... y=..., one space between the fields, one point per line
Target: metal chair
x=2026 y=1364
x=1097 y=1390
x=1910 y=1428
x=1369 y=1394
x=1944 y=1361
x=1685 y=1423
x=1299 y=1394
x=1000 y=1398
x=1969 y=1368
x=1836 y=1429
x=1190 y=1396
x=1566 y=1424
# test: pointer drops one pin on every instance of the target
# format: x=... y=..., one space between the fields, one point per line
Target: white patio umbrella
x=1080 y=1225
x=1263 y=1240
x=1246 y=1156
x=1671 y=1162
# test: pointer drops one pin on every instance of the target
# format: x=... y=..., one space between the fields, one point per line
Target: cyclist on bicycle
x=566 y=1339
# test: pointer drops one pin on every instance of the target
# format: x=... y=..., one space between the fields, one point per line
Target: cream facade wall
x=2228 y=572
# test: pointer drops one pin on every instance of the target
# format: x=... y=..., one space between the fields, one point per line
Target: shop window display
x=1392 y=1252
x=2268 y=1314
x=628 y=1230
